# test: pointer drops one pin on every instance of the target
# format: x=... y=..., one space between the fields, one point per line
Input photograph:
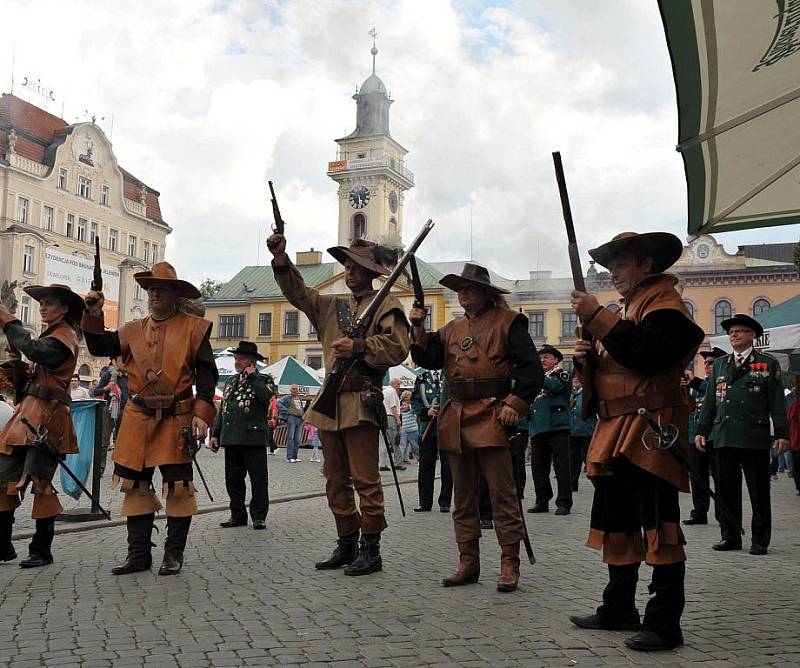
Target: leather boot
x=369 y=556
x=7 y=551
x=345 y=553
x=140 y=529
x=618 y=611
x=177 y=532
x=469 y=565
x=661 y=627
x=509 y=567
x=39 y=553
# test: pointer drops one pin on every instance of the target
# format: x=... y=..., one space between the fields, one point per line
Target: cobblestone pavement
x=249 y=598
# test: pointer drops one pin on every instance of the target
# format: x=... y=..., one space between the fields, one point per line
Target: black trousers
x=519 y=444
x=578 y=447
x=241 y=461
x=551 y=446
x=796 y=469
x=706 y=465
x=428 y=454
x=731 y=462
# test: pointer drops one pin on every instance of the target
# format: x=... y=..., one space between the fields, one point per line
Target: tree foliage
x=209 y=287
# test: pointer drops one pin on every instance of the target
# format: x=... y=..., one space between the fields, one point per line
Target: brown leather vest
x=473 y=424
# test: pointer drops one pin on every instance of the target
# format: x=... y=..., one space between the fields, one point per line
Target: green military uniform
x=737 y=407
x=427 y=393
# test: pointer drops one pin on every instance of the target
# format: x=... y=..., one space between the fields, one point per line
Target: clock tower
x=370 y=170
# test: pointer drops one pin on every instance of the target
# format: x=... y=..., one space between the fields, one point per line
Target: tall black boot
x=618 y=611
x=140 y=530
x=7 y=552
x=661 y=628
x=39 y=553
x=345 y=553
x=369 y=556
x=177 y=532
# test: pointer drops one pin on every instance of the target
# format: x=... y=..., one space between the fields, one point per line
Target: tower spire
x=374 y=50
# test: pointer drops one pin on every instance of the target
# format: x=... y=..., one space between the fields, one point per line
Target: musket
x=40 y=441
x=191 y=447
x=668 y=438
x=279 y=226
x=578 y=283
x=97 y=275
x=327 y=398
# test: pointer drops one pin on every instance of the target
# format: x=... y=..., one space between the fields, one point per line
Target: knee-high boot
x=661 y=628
x=140 y=530
x=7 y=551
x=177 y=533
x=618 y=611
x=39 y=553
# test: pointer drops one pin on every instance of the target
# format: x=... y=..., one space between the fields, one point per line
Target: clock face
x=393 y=201
x=359 y=197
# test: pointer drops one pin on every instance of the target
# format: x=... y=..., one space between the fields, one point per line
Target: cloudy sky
x=210 y=98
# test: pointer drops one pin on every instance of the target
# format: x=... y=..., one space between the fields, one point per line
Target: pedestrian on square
x=549 y=429
x=291 y=407
x=76 y=391
x=45 y=403
x=636 y=360
x=350 y=437
x=313 y=433
x=165 y=355
x=241 y=429
x=581 y=430
x=409 y=429
x=272 y=423
x=793 y=419
x=391 y=404
x=484 y=355
x=745 y=394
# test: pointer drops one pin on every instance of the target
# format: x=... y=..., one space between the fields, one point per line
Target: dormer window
x=84 y=187
x=62 y=178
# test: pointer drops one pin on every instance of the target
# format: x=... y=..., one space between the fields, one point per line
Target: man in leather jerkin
x=350 y=438
x=164 y=355
x=493 y=373
x=637 y=361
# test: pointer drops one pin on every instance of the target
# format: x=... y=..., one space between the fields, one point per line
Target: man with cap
x=636 y=360
x=703 y=461
x=45 y=402
x=493 y=373
x=241 y=429
x=549 y=429
x=164 y=354
x=744 y=393
x=350 y=439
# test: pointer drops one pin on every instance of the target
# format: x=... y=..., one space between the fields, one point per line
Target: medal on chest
x=721 y=388
x=759 y=369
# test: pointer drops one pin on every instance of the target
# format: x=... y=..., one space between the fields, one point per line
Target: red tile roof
x=36 y=130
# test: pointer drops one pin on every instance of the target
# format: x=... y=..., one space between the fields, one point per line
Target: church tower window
x=359 y=226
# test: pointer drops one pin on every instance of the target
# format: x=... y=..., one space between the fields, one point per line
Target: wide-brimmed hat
x=163 y=273
x=248 y=348
x=663 y=247
x=714 y=353
x=70 y=299
x=362 y=252
x=547 y=349
x=744 y=321
x=473 y=274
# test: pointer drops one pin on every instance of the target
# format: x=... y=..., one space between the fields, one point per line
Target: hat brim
x=72 y=300
x=555 y=352
x=342 y=253
x=250 y=353
x=744 y=321
x=183 y=288
x=714 y=353
x=454 y=281
x=663 y=247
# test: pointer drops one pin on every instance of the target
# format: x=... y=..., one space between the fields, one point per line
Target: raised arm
x=46 y=351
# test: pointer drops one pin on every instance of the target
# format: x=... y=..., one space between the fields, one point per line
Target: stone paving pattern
x=248 y=598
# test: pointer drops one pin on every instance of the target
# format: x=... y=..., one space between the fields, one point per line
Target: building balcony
x=339 y=166
x=27 y=165
x=136 y=208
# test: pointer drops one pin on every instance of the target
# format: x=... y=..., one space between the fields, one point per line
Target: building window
x=137 y=291
x=359 y=226
x=131 y=245
x=47 y=218
x=70 y=230
x=361 y=156
x=536 y=324
x=22 y=209
x=314 y=361
x=81 y=235
x=92 y=232
x=105 y=192
x=27 y=259
x=312 y=331
x=265 y=324
x=154 y=258
x=231 y=326
x=569 y=322
x=689 y=307
x=722 y=311
x=25 y=309
x=428 y=324
x=113 y=238
x=761 y=305
x=146 y=250
x=84 y=187
x=291 y=323
x=62 y=178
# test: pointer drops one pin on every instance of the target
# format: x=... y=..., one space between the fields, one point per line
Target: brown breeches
x=495 y=464
x=29 y=465
x=351 y=462
x=140 y=497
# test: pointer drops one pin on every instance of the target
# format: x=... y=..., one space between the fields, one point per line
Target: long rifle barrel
x=574 y=255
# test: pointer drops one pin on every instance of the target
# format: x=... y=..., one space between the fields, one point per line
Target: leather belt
x=48 y=393
x=355 y=382
x=160 y=405
x=651 y=399
x=471 y=389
